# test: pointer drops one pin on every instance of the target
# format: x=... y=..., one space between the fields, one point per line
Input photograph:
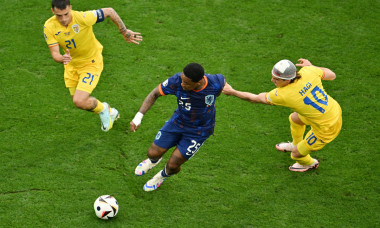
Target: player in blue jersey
x=191 y=124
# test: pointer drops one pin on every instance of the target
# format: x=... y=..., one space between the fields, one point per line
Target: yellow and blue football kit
x=314 y=106
x=86 y=66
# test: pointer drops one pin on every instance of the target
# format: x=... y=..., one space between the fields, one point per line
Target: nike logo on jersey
x=58 y=33
x=185 y=98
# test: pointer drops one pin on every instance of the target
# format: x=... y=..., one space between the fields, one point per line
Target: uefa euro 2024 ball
x=106 y=207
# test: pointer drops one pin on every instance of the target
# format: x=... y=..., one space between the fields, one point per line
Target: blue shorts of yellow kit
x=85 y=77
x=171 y=135
x=315 y=140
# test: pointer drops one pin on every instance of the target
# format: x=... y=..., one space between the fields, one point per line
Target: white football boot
x=303 y=168
x=154 y=183
x=145 y=166
x=107 y=117
x=114 y=114
x=285 y=147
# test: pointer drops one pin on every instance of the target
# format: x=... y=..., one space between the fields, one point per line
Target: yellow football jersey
x=307 y=97
x=78 y=36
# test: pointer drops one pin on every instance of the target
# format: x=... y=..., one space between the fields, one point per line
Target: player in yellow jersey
x=303 y=92
x=83 y=61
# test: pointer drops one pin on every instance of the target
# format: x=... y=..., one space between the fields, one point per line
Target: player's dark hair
x=194 y=71
x=298 y=76
x=60 y=4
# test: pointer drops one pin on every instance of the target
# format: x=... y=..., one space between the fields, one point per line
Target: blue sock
x=164 y=174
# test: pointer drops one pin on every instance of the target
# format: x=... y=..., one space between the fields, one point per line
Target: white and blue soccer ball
x=106 y=207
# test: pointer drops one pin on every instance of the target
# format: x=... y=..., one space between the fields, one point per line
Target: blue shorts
x=187 y=142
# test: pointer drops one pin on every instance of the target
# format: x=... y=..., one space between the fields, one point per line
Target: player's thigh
x=313 y=140
x=89 y=77
x=71 y=78
x=310 y=143
x=189 y=145
x=166 y=139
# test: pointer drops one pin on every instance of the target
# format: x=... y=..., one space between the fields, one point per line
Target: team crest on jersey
x=165 y=83
x=158 y=136
x=209 y=99
x=76 y=28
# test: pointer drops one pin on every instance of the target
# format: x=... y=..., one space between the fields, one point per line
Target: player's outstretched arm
x=329 y=74
x=129 y=35
x=56 y=55
x=148 y=102
x=254 y=98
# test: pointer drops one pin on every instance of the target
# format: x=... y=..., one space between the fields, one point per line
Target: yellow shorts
x=84 y=78
x=315 y=140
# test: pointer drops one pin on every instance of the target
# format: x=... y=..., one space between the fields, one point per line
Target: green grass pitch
x=55 y=161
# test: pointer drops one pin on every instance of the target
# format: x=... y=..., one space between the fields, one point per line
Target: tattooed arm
x=129 y=35
x=148 y=102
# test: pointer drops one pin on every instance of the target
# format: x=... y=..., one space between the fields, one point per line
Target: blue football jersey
x=196 y=109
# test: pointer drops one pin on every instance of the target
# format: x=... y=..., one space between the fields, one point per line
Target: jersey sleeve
x=99 y=15
x=221 y=81
x=312 y=70
x=169 y=86
x=49 y=37
x=92 y=17
x=273 y=97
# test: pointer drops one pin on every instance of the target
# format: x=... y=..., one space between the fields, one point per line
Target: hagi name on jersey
x=305 y=89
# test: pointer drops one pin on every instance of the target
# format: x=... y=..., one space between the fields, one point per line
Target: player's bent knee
x=290 y=117
x=79 y=103
x=155 y=152
x=295 y=119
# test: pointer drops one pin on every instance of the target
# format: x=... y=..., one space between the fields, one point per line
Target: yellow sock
x=99 y=107
x=297 y=131
x=306 y=160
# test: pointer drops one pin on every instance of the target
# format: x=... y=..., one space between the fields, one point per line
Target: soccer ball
x=106 y=207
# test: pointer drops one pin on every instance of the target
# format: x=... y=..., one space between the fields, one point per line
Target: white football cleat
x=154 y=183
x=145 y=166
x=114 y=114
x=303 y=168
x=108 y=116
x=285 y=147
